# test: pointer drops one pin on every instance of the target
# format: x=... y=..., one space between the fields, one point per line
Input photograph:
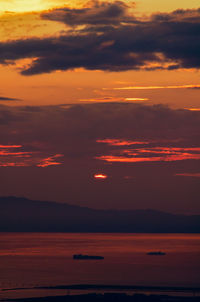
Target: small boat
x=156 y=253
x=87 y=257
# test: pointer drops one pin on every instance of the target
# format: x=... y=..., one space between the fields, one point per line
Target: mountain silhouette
x=24 y=215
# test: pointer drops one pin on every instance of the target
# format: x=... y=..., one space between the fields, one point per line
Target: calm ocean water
x=28 y=260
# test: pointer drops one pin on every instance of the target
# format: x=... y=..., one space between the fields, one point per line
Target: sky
x=100 y=103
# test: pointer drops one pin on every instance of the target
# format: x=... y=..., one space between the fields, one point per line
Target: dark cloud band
x=112 y=40
x=7 y=99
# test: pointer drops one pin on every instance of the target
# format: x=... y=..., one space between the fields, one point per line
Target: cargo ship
x=156 y=253
x=87 y=257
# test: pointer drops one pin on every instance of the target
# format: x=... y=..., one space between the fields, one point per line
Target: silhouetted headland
x=61 y=217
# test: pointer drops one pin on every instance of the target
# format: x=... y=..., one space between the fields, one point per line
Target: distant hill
x=24 y=215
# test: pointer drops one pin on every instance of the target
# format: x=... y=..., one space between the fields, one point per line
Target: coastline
x=107 y=297
x=85 y=287
x=100 y=292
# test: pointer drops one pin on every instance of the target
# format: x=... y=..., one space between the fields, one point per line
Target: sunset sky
x=100 y=102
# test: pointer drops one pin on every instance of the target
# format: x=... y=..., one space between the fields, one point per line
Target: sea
x=37 y=264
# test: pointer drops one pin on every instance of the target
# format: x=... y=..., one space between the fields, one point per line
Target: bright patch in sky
x=22 y=5
x=158 y=87
x=100 y=176
x=193 y=109
x=142 y=6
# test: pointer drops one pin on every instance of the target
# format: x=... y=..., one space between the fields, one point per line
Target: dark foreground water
x=30 y=260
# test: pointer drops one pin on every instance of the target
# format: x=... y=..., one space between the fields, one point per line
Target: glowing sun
x=100 y=176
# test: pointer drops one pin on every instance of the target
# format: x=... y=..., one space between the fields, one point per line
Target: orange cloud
x=193 y=109
x=118 y=142
x=20 y=158
x=166 y=154
x=136 y=99
x=188 y=174
x=50 y=161
x=102 y=99
x=10 y=146
x=6 y=153
x=122 y=159
x=113 y=99
x=157 y=87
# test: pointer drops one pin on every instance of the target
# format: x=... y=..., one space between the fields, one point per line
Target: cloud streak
x=16 y=156
x=120 y=142
x=7 y=99
x=149 y=154
x=188 y=174
x=157 y=87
